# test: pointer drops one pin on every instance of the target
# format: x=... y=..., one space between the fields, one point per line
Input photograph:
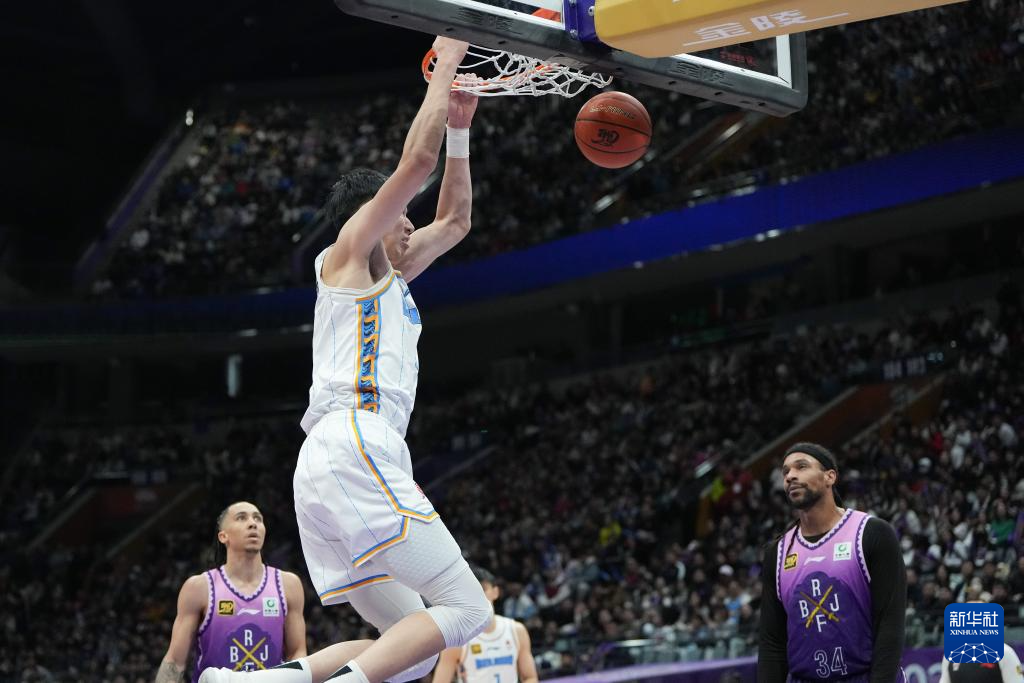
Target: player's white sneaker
x=215 y=676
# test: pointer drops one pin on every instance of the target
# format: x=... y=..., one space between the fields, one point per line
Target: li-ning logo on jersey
x=248 y=649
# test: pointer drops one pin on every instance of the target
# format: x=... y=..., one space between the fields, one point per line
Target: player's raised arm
x=191 y=603
x=367 y=226
x=455 y=203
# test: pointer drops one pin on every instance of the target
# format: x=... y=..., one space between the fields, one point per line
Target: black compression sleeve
x=888 y=598
x=772 y=664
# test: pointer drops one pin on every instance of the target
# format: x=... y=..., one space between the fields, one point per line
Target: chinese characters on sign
x=975 y=619
x=973 y=632
x=766 y=22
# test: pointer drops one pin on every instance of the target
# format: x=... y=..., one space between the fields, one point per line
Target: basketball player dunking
x=500 y=654
x=369 y=534
x=834 y=586
x=247 y=616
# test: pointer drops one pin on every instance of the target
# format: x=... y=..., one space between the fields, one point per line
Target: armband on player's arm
x=458 y=143
x=364 y=230
x=461 y=110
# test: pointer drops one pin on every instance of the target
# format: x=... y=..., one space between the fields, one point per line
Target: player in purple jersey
x=835 y=587
x=242 y=615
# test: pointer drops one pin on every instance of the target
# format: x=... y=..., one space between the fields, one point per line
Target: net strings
x=521 y=75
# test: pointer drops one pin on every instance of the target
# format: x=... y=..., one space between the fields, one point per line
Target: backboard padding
x=505 y=29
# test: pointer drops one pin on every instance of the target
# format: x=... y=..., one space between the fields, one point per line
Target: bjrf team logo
x=973 y=633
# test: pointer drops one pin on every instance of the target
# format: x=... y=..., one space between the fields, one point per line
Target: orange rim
x=542 y=13
x=428 y=73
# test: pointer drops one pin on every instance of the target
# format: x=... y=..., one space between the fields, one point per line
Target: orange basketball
x=613 y=130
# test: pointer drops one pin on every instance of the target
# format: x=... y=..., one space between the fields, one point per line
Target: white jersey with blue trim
x=492 y=657
x=364 y=350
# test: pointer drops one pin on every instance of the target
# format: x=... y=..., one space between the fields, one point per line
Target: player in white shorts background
x=499 y=654
x=369 y=534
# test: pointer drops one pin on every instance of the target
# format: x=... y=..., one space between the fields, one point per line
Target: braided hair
x=219 y=551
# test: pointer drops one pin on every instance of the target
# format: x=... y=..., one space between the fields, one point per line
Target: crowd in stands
x=238 y=205
x=58 y=462
x=888 y=86
x=580 y=504
x=232 y=214
x=112 y=616
x=603 y=566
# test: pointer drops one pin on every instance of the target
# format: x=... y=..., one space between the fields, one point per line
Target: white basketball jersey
x=492 y=657
x=364 y=350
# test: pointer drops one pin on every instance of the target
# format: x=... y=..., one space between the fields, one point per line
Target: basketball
x=613 y=130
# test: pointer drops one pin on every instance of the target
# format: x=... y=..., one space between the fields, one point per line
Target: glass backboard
x=768 y=75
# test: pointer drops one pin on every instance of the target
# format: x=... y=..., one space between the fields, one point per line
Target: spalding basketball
x=613 y=130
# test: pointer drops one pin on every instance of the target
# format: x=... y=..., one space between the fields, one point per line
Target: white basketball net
x=512 y=74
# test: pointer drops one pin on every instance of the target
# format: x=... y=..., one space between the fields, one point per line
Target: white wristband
x=458 y=143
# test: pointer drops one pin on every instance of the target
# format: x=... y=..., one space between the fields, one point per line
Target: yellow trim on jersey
x=383 y=288
x=367 y=352
x=370 y=376
x=389 y=494
x=359 y=355
x=372 y=402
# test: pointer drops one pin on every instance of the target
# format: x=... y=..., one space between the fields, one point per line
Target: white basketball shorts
x=354 y=497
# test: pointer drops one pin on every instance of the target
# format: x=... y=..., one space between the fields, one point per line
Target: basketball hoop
x=516 y=75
